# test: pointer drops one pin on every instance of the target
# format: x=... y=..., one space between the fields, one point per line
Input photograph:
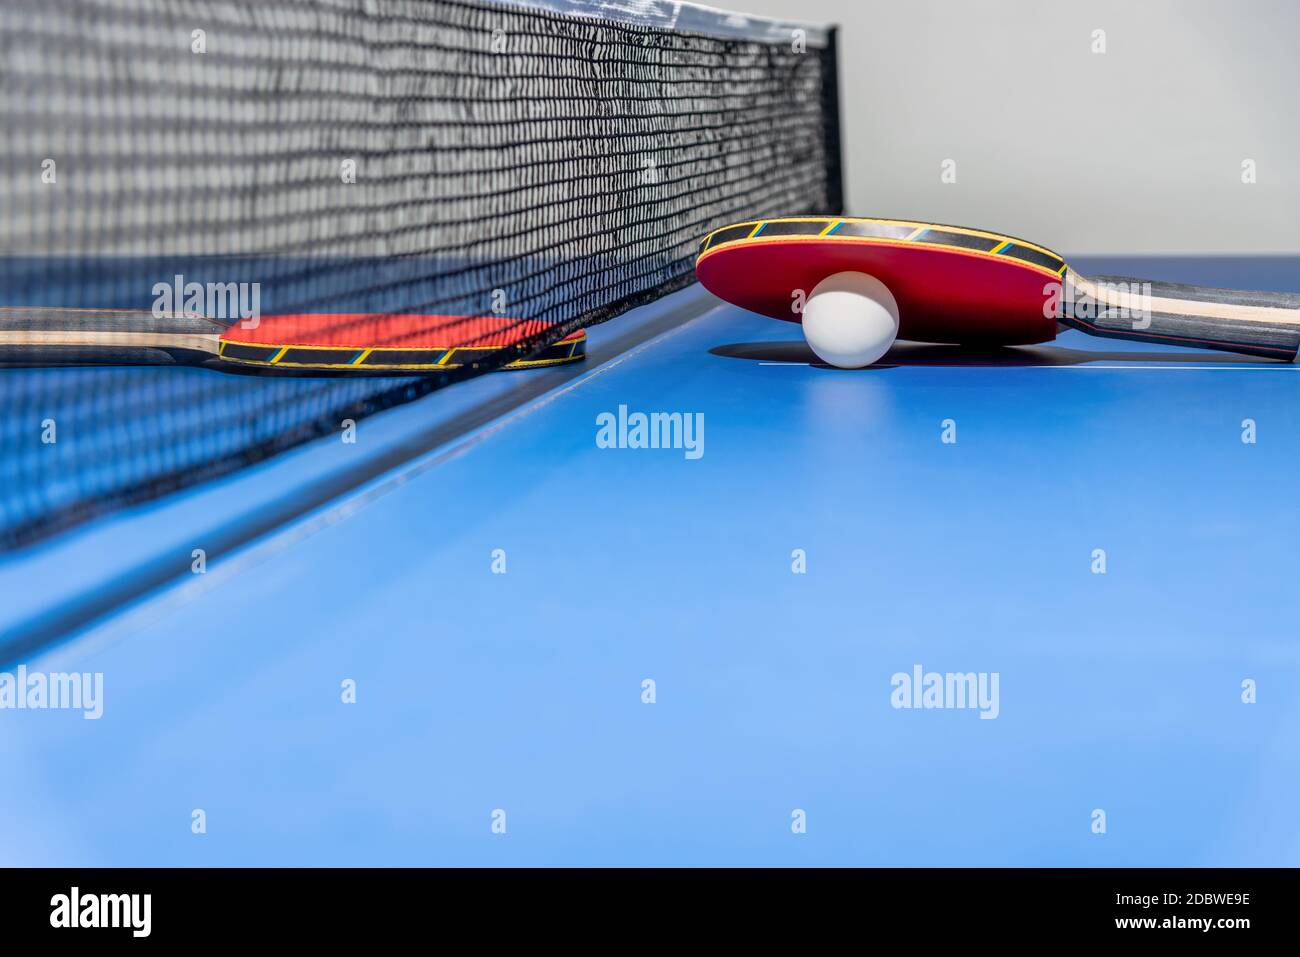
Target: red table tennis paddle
x=968 y=286
x=351 y=343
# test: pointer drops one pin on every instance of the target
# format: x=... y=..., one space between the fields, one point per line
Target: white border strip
x=680 y=17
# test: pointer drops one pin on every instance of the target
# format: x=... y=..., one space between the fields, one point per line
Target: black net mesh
x=513 y=174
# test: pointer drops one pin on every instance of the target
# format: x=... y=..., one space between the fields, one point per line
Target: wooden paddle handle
x=1229 y=320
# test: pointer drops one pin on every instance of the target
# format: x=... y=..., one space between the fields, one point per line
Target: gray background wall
x=1135 y=150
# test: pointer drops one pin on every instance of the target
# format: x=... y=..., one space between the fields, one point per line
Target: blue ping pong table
x=521 y=648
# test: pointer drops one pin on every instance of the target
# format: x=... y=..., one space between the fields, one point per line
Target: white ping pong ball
x=850 y=320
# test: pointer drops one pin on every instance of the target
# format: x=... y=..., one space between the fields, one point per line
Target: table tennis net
x=529 y=166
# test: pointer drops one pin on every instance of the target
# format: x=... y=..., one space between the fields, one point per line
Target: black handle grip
x=1229 y=320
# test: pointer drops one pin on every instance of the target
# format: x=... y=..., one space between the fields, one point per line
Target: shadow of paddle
x=924 y=354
